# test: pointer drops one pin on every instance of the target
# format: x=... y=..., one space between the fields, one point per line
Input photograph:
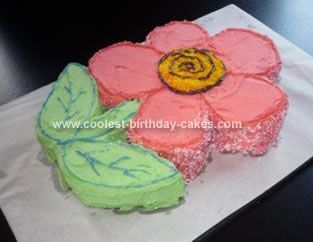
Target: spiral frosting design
x=190 y=70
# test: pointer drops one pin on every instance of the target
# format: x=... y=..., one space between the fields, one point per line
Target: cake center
x=190 y=70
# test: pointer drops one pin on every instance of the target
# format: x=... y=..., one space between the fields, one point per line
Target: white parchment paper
x=37 y=211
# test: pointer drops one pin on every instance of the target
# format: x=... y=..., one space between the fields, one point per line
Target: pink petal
x=247 y=52
x=176 y=35
x=258 y=104
x=186 y=147
x=124 y=71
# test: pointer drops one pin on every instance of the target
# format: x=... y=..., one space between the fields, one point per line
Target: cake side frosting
x=247 y=101
x=99 y=165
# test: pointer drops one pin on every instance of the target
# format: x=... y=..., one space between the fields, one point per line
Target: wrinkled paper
x=37 y=210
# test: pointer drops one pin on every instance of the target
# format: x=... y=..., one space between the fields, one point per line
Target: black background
x=33 y=54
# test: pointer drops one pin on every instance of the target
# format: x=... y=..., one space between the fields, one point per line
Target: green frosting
x=99 y=165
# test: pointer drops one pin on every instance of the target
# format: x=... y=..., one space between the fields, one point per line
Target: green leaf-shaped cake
x=98 y=164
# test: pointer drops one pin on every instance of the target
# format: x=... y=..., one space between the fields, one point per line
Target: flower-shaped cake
x=181 y=74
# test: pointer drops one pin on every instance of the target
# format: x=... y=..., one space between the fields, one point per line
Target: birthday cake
x=180 y=76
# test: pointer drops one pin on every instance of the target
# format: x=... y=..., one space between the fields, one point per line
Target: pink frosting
x=246 y=52
x=124 y=71
x=244 y=98
x=167 y=106
x=176 y=35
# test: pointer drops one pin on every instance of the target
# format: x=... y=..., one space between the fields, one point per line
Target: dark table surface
x=32 y=55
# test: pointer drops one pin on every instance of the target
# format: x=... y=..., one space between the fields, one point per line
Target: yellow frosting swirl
x=190 y=70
